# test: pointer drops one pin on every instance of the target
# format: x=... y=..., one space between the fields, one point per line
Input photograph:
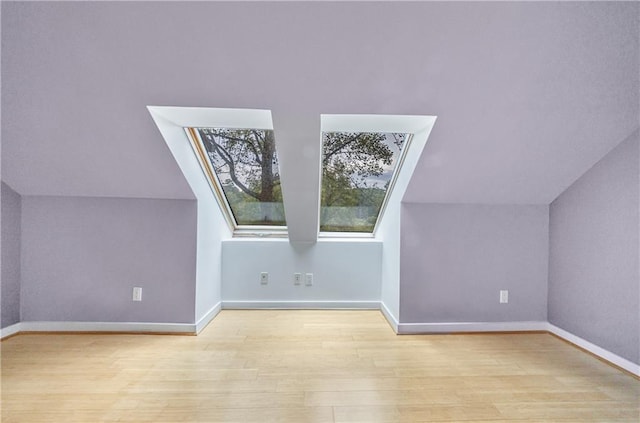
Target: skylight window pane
x=246 y=167
x=357 y=171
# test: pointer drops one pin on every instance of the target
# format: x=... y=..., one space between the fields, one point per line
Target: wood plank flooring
x=309 y=366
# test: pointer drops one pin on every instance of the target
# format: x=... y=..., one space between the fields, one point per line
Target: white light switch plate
x=137 y=294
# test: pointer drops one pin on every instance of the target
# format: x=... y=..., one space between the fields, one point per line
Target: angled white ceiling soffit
x=172 y=121
x=300 y=181
x=206 y=117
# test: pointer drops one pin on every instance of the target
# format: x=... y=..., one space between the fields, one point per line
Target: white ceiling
x=528 y=95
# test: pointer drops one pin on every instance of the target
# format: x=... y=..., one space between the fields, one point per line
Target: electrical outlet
x=308 y=279
x=297 y=278
x=137 y=294
x=264 y=278
x=504 y=296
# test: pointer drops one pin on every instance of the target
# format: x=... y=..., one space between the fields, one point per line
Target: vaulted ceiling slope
x=528 y=95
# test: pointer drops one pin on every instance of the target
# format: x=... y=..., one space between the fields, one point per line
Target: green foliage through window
x=246 y=165
x=357 y=169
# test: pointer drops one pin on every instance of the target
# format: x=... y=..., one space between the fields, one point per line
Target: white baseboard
x=183 y=328
x=596 y=350
x=208 y=317
x=10 y=330
x=302 y=305
x=452 y=327
x=393 y=322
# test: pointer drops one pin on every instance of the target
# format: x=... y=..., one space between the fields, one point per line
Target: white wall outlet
x=297 y=278
x=504 y=296
x=264 y=278
x=137 y=294
x=308 y=279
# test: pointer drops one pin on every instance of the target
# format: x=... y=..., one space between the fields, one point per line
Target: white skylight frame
x=216 y=186
x=409 y=125
x=392 y=183
x=191 y=118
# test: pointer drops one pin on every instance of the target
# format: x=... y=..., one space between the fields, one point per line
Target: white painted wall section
x=346 y=273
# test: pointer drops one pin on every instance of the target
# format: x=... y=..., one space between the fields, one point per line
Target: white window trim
x=375 y=124
x=385 y=200
x=172 y=119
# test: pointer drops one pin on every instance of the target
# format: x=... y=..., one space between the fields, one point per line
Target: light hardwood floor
x=309 y=366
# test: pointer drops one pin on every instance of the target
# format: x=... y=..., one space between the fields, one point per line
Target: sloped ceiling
x=528 y=95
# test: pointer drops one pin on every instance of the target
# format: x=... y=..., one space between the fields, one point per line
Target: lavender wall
x=593 y=267
x=82 y=256
x=456 y=258
x=10 y=289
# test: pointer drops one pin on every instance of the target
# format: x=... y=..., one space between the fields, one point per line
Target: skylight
x=242 y=166
x=204 y=167
x=358 y=171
